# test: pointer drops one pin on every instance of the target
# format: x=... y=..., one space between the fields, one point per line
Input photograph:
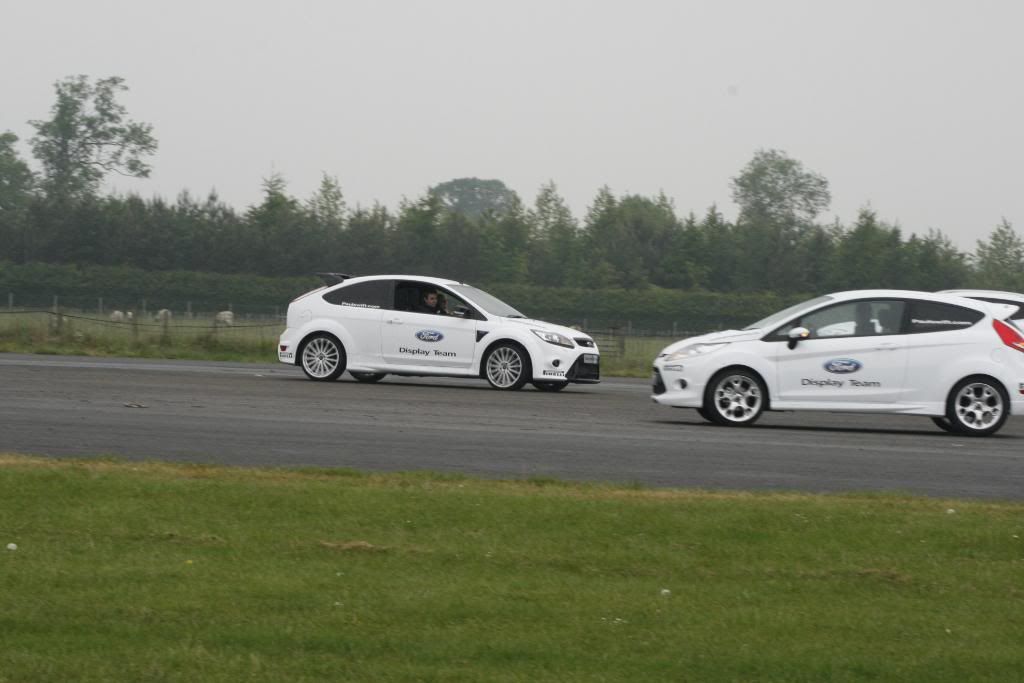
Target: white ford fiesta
x=411 y=325
x=958 y=360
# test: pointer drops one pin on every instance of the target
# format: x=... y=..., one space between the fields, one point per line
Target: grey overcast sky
x=913 y=107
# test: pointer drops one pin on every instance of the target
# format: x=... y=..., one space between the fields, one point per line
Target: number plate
x=590 y=358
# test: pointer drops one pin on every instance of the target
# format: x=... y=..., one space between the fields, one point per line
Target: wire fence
x=101 y=307
x=251 y=337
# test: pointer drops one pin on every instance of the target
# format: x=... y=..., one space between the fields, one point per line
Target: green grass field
x=155 y=572
x=200 y=339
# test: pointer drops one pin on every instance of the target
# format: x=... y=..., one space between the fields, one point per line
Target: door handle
x=887 y=347
x=395 y=321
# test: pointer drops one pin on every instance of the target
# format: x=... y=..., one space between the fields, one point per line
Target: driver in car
x=429 y=303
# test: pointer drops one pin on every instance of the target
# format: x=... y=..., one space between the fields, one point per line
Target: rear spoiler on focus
x=333 y=278
x=328 y=279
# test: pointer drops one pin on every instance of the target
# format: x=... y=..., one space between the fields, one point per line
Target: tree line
x=467 y=228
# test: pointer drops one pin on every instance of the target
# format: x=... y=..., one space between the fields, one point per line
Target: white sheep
x=117 y=316
x=163 y=316
x=226 y=318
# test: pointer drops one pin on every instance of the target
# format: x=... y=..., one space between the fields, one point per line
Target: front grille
x=659 y=383
x=584 y=372
x=585 y=342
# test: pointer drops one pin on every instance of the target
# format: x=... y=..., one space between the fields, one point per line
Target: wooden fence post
x=56 y=315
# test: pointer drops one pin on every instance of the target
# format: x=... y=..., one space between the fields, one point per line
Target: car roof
x=422 y=278
x=987 y=293
x=995 y=310
x=906 y=294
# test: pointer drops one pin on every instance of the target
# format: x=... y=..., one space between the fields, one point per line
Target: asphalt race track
x=241 y=414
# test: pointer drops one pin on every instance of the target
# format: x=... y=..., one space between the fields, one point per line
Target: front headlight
x=693 y=350
x=554 y=338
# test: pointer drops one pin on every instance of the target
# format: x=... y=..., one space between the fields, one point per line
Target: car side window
x=850 y=319
x=372 y=294
x=932 y=316
x=454 y=305
x=407 y=295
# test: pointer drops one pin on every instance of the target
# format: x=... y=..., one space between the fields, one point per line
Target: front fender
x=492 y=339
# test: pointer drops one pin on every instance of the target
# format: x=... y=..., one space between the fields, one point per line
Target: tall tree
x=327 y=205
x=282 y=233
x=933 y=262
x=554 y=232
x=777 y=188
x=475 y=197
x=417 y=236
x=778 y=201
x=16 y=184
x=599 y=234
x=999 y=261
x=869 y=255
x=89 y=136
x=368 y=243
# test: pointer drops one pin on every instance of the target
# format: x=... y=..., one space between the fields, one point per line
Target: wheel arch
x=497 y=342
x=741 y=366
x=314 y=333
x=979 y=375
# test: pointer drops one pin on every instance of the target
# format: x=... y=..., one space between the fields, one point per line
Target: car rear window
x=932 y=316
x=372 y=294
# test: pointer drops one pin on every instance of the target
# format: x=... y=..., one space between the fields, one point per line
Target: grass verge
x=202 y=340
x=128 y=571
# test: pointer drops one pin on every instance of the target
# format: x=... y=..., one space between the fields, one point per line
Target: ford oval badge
x=429 y=335
x=843 y=366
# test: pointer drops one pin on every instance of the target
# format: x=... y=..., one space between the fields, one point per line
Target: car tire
x=367 y=377
x=323 y=358
x=945 y=425
x=977 y=406
x=550 y=386
x=507 y=367
x=735 y=397
x=703 y=413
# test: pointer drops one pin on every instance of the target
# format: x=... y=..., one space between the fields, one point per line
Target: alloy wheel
x=321 y=358
x=978 y=406
x=505 y=367
x=738 y=399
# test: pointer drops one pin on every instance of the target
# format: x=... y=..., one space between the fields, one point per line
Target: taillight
x=1009 y=334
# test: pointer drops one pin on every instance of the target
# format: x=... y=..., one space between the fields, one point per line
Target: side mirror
x=796 y=334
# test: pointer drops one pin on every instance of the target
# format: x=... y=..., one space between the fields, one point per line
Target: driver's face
x=430 y=300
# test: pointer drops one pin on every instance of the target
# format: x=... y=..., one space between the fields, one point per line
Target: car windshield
x=491 y=304
x=780 y=317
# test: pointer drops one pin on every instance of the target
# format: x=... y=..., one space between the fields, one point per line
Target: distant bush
x=35 y=284
x=652 y=308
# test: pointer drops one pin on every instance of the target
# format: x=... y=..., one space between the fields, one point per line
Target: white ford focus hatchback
x=378 y=325
x=954 y=359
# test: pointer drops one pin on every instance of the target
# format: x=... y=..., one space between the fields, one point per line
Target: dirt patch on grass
x=353 y=546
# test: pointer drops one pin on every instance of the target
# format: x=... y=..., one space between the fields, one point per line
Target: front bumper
x=678 y=385
x=586 y=369
x=556 y=364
